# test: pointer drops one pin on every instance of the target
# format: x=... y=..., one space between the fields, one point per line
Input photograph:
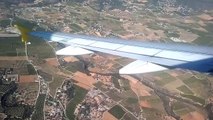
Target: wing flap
x=70 y=50
x=139 y=66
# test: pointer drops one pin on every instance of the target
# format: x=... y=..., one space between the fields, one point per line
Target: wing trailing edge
x=70 y=50
x=139 y=66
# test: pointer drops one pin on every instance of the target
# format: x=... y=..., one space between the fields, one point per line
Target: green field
x=55 y=83
x=131 y=100
x=40 y=50
x=184 y=76
x=128 y=94
x=152 y=114
x=152 y=99
x=46 y=76
x=194 y=98
x=117 y=111
x=15 y=111
x=125 y=84
x=14 y=46
x=5 y=23
x=31 y=69
x=11 y=47
x=114 y=95
x=75 y=66
x=39 y=113
x=198 y=86
x=79 y=96
x=205 y=38
x=155 y=26
x=76 y=27
x=180 y=108
x=165 y=78
x=185 y=90
x=182 y=111
x=100 y=85
x=115 y=82
x=131 y=104
x=178 y=105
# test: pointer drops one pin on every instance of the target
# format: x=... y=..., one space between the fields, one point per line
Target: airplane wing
x=73 y=51
x=139 y=66
x=150 y=56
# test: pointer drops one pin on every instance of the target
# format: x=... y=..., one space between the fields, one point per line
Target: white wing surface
x=155 y=55
x=139 y=66
x=73 y=51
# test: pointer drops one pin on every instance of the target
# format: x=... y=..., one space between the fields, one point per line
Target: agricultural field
x=132 y=104
x=181 y=109
x=21 y=67
x=117 y=111
x=165 y=78
x=75 y=66
x=185 y=89
x=199 y=86
x=128 y=116
x=39 y=50
x=116 y=82
x=11 y=47
x=80 y=94
x=15 y=111
x=38 y=114
x=55 y=83
x=124 y=84
x=152 y=114
x=46 y=76
x=31 y=69
x=154 y=102
x=100 y=86
x=114 y=95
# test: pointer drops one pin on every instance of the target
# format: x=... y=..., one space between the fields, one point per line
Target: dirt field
x=27 y=78
x=84 y=80
x=70 y=59
x=140 y=90
x=145 y=104
x=205 y=17
x=193 y=116
x=108 y=116
x=52 y=61
x=13 y=58
x=187 y=36
x=51 y=69
x=173 y=85
x=138 y=87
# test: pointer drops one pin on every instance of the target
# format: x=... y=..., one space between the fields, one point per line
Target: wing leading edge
x=149 y=56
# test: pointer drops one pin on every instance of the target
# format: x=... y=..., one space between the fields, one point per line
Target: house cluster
x=53 y=109
x=93 y=106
